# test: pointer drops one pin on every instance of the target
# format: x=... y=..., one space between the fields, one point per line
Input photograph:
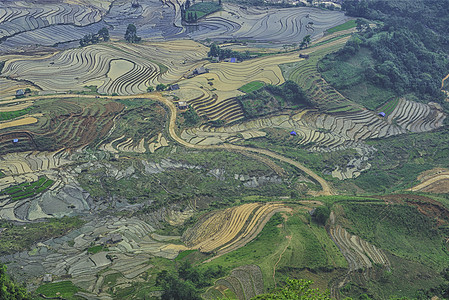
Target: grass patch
x=202 y=9
x=183 y=254
x=345 y=26
x=9 y=115
x=96 y=249
x=28 y=189
x=17 y=238
x=400 y=229
x=251 y=86
x=66 y=289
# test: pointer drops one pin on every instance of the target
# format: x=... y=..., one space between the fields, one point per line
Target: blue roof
x=15 y=140
x=293 y=133
x=233 y=59
x=382 y=114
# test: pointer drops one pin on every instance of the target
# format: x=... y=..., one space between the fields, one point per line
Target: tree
x=160 y=87
x=214 y=50
x=295 y=290
x=175 y=288
x=362 y=25
x=131 y=34
x=321 y=214
x=104 y=34
x=9 y=289
x=150 y=89
x=305 y=41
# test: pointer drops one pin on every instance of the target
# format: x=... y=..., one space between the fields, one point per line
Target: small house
x=173 y=87
x=200 y=70
x=293 y=133
x=183 y=105
x=231 y=60
x=48 y=278
x=15 y=141
x=305 y=56
x=20 y=92
x=381 y=114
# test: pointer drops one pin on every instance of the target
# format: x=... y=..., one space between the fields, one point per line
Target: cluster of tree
x=410 y=47
x=191 y=118
x=189 y=12
x=187 y=282
x=101 y=36
x=9 y=289
x=216 y=51
x=272 y=98
x=131 y=34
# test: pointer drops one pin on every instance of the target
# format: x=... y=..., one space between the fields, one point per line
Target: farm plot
x=153 y=19
x=230 y=229
x=27 y=189
x=245 y=282
x=436 y=182
x=306 y=75
x=281 y=26
x=69 y=122
x=328 y=132
x=359 y=253
x=20 y=17
x=212 y=94
x=126 y=251
x=113 y=68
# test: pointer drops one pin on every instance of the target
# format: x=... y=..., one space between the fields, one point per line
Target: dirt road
x=326 y=189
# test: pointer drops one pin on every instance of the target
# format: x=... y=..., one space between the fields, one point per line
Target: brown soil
x=427 y=206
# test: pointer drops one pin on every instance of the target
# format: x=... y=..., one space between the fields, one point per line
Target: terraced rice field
x=245 y=282
x=9 y=87
x=227 y=230
x=328 y=132
x=69 y=122
x=114 y=68
x=212 y=94
x=24 y=16
x=359 y=253
x=306 y=75
x=282 y=26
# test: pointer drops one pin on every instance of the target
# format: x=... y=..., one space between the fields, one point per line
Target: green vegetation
x=345 y=26
x=273 y=98
x=347 y=76
x=251 y=86
x=191 y=13
x=295 y=289
x=131 y=34
x=2 y=64
x=17 y=238
x=216 y=51
x=190 y=117
x=90 y=39
x=96 y=249
x=188 y=281
x=400 y=159
x=9 y=290
x=64 y=289
x=400 y=229
x=9 y=115
x=28 y=189
x=183 y=254
x=307 y=246
x=400 y=31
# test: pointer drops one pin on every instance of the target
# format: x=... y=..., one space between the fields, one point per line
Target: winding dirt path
x=326 y=189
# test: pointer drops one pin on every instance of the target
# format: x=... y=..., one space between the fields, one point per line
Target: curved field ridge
x=230 y=229
x=245 y=282
x=284 y=25
x=213 y=94
x=22 y=16
x=359 y=253
x=75 y=68
x=436 y=183
x=328 y=132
